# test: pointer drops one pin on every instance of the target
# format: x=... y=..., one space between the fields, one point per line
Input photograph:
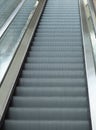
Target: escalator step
x=56 y=48
x=48 y=114
x=52 y=81
x=55 y=54
x=49 y=102
x=51 y=93
x=46 y=125
x=53 y=66
x=52 y=74
x=54 y=60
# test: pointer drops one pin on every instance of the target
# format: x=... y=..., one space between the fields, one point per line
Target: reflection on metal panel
x=10 y=18
x=91 y=28
x=13 y=35
x=89 y=4
x=94 y=2
x=6 y=8
x=89 y=62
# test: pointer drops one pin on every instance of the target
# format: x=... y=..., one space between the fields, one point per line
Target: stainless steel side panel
x=90 y=68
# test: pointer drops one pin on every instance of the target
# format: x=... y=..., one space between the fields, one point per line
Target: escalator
x=51 y=93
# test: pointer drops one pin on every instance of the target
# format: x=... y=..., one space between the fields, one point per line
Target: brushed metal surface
x=90 y=67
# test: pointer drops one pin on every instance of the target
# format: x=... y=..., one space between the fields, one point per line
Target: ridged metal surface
x=52 y=90
x=10 y=40
x=6 y=9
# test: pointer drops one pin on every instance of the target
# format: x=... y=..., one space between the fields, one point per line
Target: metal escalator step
x=48 y=113
x=60 y=21
x=51 y=91
x=61 y=9
x=55 y=54
x=51 y=34
x=65 y=14
x=59 y=30
x=55 y=60
x=60 y=17
x=50 y=102
x=52 y=81
x=64 y=37
x=58 y=12
x=61 y=33
x=53 y=66
x=58 y=27
x=56 y=48
x=49 y=43
x=52 y=74
x=61 y=6
x=51 y=18
x=61 y=14
x=46 y=125
x=54 y=16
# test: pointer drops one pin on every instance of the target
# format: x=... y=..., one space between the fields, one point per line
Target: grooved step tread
x=51 y=93
x=45 y=125
x=55 y=54
x=49 y=102
x=52 y=81
x=54 y=60
x=52 y=74
x=48 y=114
x=54 y=66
